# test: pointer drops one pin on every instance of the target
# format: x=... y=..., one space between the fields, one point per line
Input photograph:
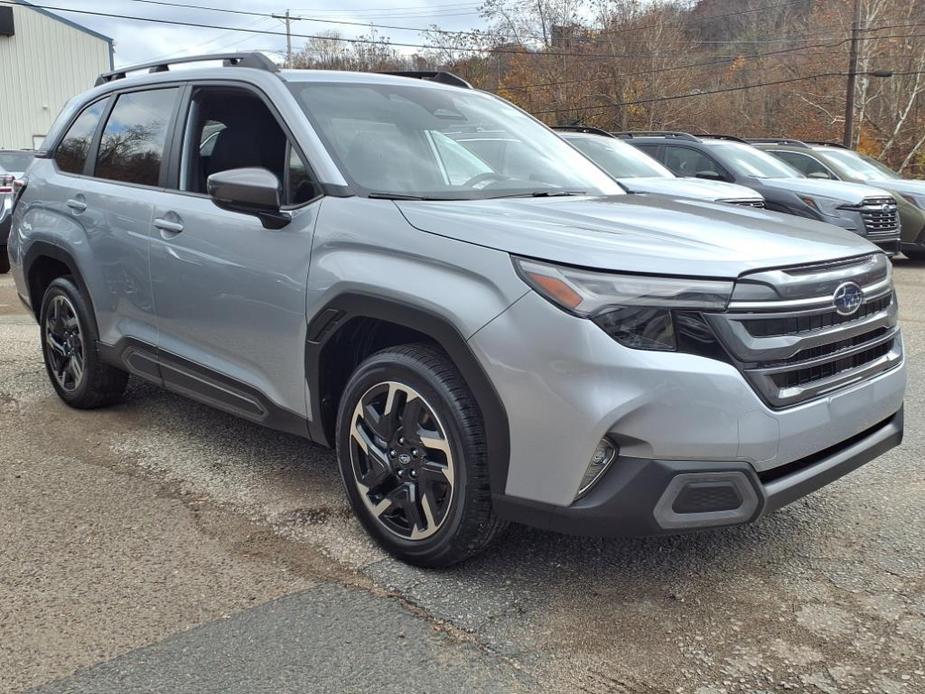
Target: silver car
x=478 y=319
x=639 y=173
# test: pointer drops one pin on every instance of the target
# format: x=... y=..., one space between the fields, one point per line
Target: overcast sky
x=137 y=42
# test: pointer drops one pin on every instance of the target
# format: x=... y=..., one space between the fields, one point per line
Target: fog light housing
x=603 y=456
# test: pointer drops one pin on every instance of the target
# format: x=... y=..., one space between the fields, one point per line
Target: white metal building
x=44 y=61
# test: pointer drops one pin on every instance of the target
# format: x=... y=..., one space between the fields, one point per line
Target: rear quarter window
x=71 y=154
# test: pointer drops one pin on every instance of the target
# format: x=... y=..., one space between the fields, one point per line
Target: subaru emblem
x=848 y=299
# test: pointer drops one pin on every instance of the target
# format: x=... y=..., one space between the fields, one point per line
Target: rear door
x=98 y=195
x=230 y=294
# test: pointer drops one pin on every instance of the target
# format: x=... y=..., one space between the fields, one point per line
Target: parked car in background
x=639 y=173
x=12 y=165
x=484 y=325
x=867 y=211
x=826 y=160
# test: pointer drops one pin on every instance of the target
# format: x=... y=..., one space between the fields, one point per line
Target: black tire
x=915 y=253
x=4 y=261
x=466 y=520
x=99 y=383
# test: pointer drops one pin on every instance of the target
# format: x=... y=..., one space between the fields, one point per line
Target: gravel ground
x=127 y=526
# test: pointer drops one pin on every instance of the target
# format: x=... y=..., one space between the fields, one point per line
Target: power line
x=718 y=62
x=722 y=90
x=321 y=37
x=372 y=41
x=476 y=33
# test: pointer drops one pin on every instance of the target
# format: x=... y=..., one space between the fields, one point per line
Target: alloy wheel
x=402 y=461
x=64 y=344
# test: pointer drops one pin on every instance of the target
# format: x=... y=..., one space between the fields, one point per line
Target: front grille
x=809 y=374
x=794 y=325
x=880 y=215
x=782 y=329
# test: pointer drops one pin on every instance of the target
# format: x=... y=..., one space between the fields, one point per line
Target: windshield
x=750 y=161
x=417 y=141
x=15 y=161
x=619 y=159
x=856 y=167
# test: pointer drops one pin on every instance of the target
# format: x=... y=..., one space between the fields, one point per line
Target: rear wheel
x=411 y=449
x=69 y=345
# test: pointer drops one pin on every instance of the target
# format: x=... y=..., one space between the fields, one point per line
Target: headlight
x=636 y=310
x=825 y=206
x=916 y=199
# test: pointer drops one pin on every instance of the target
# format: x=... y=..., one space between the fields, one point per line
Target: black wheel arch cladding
x=337 y=314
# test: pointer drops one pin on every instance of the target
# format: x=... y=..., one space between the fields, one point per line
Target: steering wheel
x=478 y=178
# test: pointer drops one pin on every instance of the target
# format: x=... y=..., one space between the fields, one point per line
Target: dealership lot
x=163 y=537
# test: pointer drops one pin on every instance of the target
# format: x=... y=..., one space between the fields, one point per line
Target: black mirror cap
x=251 y=190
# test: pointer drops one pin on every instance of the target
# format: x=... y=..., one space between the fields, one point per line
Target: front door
x=230 y=294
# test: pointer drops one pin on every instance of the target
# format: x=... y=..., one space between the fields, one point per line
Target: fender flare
x=44 y=249
x=340 y=310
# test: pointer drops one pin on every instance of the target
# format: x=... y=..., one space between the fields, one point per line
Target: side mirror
x=253 y=191
x=819 y=174
x=709 y=175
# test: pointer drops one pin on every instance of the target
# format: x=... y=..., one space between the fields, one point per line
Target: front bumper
x=640 y=497
x=565 y=384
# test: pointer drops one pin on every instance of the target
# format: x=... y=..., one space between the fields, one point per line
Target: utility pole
x=288 y=19
x=848 y=139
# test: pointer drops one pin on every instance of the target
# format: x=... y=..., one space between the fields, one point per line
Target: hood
x=851 y=193
x=638 y=233
x=902 y=185
x=690 y=188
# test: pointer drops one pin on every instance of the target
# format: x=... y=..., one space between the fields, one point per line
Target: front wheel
x=915 y=253
x=412 y=455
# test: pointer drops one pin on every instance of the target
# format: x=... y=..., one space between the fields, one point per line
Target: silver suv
x=486 y=332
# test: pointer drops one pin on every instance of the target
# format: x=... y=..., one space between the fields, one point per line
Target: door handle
x=167 y=225
x=77 y=205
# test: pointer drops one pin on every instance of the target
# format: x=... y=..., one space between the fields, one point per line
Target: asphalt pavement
x=163 y=546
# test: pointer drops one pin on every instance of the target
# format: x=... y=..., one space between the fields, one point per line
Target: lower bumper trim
x=639 y=497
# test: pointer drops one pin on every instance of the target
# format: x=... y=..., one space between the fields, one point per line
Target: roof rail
x=590 y=130
x=776 y=141
x=252 y=59
x=440 y=76
x=824 y=143
x=730 y=138
x=630 y=134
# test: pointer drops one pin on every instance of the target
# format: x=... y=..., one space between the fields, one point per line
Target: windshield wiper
x=541 y=194
x=398 y=196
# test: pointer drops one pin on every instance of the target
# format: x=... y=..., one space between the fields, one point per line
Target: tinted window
x=689 y=162
x=805 y=164
x=72 y=152
x=132 y=145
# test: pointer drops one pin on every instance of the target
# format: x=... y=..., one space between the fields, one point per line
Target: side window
x=132 y=145
x=71 y=154
x=229 y=128
x=684 y=161
x=805 y=164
